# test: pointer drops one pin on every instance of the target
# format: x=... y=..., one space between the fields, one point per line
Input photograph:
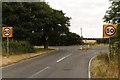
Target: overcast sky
x=85 y=14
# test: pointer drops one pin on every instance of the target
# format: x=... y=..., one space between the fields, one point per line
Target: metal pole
x=109 y=50
x=7 y=47
x=81 y=32
x=82 y=40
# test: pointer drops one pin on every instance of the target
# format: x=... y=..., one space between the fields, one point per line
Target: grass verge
x=18 y=57
x=17 y=47
x=101 y=67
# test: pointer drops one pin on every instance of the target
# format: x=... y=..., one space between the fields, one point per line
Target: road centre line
x=63 y=58
x=39 y=72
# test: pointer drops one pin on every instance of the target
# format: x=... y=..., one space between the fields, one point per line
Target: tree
x=113 y=13
x=70 y=39
x=59 y=25
x=35 y=22
x=113 y=16
x=102 y=40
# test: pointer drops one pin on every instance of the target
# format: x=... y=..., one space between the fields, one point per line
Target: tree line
x=38 y=23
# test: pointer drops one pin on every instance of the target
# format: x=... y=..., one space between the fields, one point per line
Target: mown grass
x=42 y=49
x=22 y=50
x=101 y=67
x=23 y=56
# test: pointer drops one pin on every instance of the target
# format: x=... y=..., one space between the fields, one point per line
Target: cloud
x=87 y=14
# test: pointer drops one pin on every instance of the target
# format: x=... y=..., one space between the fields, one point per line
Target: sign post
x=7 y=47
x=109 y=31
x=81 y=47
x=109 y=50
x=7 y=32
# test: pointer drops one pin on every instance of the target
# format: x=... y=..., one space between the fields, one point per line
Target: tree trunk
x=46 y=43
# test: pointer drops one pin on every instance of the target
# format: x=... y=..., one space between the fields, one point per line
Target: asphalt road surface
x=68 y=62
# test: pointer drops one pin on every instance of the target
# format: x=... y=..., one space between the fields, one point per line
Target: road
x=68 y=62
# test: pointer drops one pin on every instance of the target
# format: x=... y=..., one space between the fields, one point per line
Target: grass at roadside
x=17 y=47
x=18 y=57
x=102 y=68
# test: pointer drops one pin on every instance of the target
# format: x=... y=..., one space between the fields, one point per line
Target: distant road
x=68 y=62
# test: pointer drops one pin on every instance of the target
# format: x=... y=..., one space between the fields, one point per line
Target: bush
x=17 y=47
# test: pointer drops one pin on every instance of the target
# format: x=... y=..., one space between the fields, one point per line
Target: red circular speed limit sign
x=7 y=31
x=110 y=30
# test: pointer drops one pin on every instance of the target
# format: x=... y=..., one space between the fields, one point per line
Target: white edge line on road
x=63 y=58
x=89 y=74
x=39 y=72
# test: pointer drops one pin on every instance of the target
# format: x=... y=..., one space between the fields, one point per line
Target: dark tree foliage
x=113 y=13
x=113 y=16
x=37 y=23
x=103 y=41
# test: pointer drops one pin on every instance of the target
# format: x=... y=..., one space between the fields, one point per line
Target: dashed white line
x=39 y=72
x=63 y=58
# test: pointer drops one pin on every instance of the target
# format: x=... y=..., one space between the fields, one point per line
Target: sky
x=85 y=14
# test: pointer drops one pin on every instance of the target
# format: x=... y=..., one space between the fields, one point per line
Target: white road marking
x=89 y=73
x=63 y=58
x=39 y=72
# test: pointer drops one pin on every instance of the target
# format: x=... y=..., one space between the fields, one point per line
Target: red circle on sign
x=112 y=33
x=7 y=29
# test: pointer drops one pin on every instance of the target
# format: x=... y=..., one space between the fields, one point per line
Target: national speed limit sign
x=7 y=31
x=110 y=30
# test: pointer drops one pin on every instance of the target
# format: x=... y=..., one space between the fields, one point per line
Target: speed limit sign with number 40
x=109 y=30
